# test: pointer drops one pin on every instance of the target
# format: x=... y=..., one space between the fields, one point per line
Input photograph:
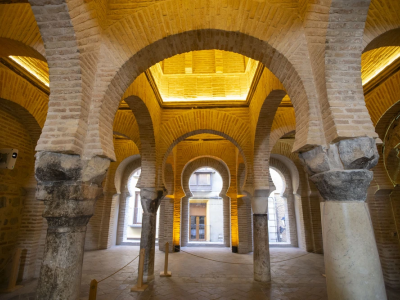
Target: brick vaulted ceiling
x=209 y=75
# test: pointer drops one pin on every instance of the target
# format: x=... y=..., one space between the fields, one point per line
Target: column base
x=139 y=288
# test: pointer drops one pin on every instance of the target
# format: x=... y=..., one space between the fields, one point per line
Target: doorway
x=197 y=228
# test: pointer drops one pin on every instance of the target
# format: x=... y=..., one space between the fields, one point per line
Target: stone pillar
x=262 y=270
x=69 y=187
x=341 y=174
x=150 y=199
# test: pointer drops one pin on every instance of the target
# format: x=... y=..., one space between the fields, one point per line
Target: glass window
x=193 y=179
x=204 y=179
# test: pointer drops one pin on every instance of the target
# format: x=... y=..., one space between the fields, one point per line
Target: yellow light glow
x=177 y=219
x=234 y=222
x=207 y=75
x=32 y=66
x=199 y=98
x=385 y=64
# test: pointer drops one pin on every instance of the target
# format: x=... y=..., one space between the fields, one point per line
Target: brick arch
x=123 y=149
x=223 y=150
x=125 y=124
x=147 y=141
x=221 y=167
x=205 y=121
x=10 y=47
x=289 y=164
x=124 y=170
x=25 y=117
x=295 y=78
x=382 y=102
x=19 y=33
x=205 y=161
x=18 y=90
x=382 y=23
x=386 y=39
x=262 y=138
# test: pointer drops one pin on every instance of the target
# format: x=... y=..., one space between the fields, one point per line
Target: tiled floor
x=295 y=275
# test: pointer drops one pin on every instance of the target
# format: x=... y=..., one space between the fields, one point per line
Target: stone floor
x=295 y=275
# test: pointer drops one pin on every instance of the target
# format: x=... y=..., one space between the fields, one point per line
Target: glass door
x=201 y=235
x=197 y=228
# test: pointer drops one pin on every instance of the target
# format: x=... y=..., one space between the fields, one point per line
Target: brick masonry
x=96 y=53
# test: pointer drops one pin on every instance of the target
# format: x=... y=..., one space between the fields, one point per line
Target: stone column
x=69 y=187
x=262 y=269
x=150 y=199
x=341 y=174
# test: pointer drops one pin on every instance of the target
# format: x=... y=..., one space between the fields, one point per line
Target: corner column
x=150 y=199
x=262 y=268
x=69 y=187
x=341 y=174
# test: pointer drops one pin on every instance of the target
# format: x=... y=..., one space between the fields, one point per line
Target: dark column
x=150 y=199
x=262 y=270
x=341 y=174
x=69 y=187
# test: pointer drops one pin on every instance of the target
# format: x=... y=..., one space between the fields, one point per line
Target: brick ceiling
x=208 y=75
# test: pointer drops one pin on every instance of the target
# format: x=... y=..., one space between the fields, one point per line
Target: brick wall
x=383 y=205
x=14 y=193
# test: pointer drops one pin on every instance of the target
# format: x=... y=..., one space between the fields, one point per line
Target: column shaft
x=352 y=265
x=262 y=271
x=150 y=199
x=148 y=242
x=61 y=271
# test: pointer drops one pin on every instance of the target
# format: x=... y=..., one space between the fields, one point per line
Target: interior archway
x=223 y=184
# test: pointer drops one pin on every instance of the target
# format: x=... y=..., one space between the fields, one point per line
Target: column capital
x=150 y=198
x=69 y=186
x=341 y=171
x=259 y=201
